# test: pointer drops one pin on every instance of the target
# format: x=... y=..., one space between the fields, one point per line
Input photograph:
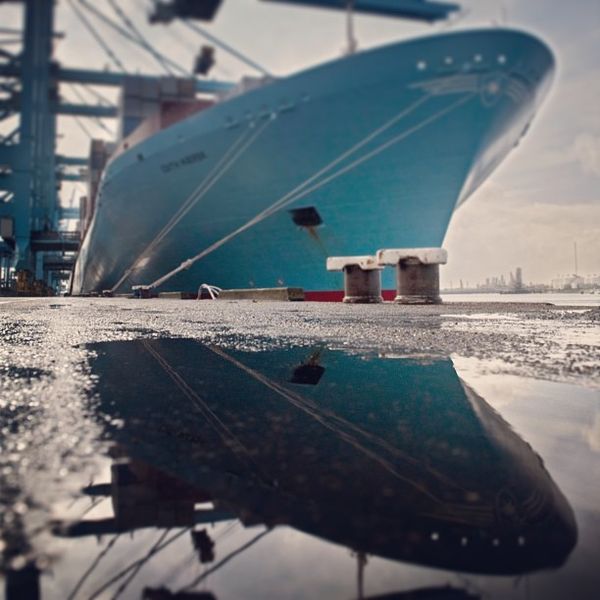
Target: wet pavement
x=158 y=449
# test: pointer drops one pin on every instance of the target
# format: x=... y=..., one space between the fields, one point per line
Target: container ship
x=375 y=149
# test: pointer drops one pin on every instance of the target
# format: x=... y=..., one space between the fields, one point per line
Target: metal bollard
x=417 y=273
x=362 y=278
x=143 y=291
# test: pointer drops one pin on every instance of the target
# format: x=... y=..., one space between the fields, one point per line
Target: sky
x=541 y=200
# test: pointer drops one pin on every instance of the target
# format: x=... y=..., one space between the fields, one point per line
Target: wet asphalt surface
x=44 y=360
x=41 y=341
x=46 y=386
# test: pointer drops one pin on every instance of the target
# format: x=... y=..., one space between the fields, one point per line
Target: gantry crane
x=32 y=245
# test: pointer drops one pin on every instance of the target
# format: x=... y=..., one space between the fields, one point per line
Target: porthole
x=421 y=65
x=501 y=59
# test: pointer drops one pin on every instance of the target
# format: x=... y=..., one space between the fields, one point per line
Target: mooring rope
x=139 y=561
x=125 y=584
x=216 y=173
x=212 y=290
x=93 y=566
x=332 y=422
x=173 y=221
x=224 y=561
x=299 y=192
x=230 y=440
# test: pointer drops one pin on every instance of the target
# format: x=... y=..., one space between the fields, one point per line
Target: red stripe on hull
x=338 y=296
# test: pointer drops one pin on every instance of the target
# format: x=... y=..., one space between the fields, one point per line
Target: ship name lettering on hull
x=182 y=162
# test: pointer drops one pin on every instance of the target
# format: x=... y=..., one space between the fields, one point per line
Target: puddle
x=315 y=473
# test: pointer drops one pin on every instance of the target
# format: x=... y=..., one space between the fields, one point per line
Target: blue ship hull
x=383 y=145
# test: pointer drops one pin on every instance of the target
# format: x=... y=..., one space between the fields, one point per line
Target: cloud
x=500 y=228
x=582 y=151
x=586 y=150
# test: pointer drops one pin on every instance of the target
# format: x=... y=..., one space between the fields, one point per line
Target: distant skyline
x=544 y=197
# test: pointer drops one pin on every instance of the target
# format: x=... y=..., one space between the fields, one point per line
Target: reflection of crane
x=361 y=563
x=142 y=496
x=22 y=583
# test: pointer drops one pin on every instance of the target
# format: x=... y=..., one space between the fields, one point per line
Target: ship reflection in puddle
x=389 y=457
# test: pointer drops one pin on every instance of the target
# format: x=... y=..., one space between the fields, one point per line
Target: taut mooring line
x=216 y=173
x=325 y=419
x=299 y=193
